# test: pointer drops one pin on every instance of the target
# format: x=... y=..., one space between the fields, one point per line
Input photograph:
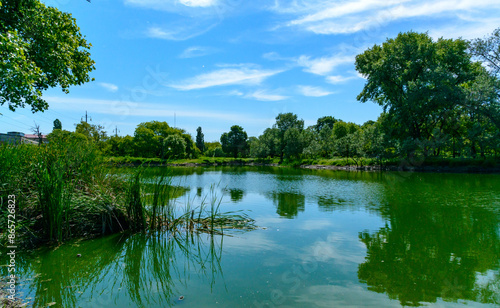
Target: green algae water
x=325 y=239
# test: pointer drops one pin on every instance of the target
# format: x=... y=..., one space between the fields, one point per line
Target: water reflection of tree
x=288 y=204
x=236 y=194
x=429 y=251
x=149 y=267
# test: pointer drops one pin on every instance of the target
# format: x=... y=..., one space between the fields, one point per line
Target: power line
x=15 y=125
x=11 y=119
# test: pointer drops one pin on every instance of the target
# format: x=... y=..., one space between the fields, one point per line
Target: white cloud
x=313 y=91
x=198 y=3
x=175 y=33
x=190 y=18
x=483 y=26
x=262 y=95
x=341 y=9
x=324 y=65
x=328 y=17
x=196 y=51
x=109 y=86
x=171 y=5
x=125 y=109
x=243 y=75
x=336 y=79
x=235 y=93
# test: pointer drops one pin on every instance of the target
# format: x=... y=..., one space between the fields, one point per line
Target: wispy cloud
x=328 y=17
x=177 y=33
x=313 y=91
x=262 y=95
x=198 y=3
x=323 y=65
x=196 y=51
x=336 y=79
x=171 y=5
x=190 y=18
x=243 y=75
x=126 y=109
x=109 y=86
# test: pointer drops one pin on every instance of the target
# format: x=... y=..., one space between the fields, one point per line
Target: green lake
x=325 y=239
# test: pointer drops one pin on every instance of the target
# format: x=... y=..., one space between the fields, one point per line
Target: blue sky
x=217 y=63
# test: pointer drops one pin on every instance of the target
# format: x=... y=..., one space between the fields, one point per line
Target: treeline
x=466 y=136
x=151 y=139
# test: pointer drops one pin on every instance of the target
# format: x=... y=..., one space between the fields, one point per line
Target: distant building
x=21 y=138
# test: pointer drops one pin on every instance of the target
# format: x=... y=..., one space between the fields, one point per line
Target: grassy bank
x=66 y=189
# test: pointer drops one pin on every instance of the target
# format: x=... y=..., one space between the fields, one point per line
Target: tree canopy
x=40 y=48
x=416 y=80
x=235 y=141
x=285 y=122
x=57 y=124
x=200 y=140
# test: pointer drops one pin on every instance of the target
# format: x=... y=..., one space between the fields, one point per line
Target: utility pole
x=86 y=117
x=116 y=131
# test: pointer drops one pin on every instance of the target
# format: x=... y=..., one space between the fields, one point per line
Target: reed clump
x=61 y=189
x=154 y=197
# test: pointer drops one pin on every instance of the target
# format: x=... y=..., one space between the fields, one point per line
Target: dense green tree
x=120 y=146
x=40 y=48
x=158 y=128
x=326 y=141
x=57 y=124
x=149 y=139
x=146 y=143
x=126 y=146
x=311 y=142
x=416 y=80
x=323 y=122
x=284 y=122
x=94 y=132
x=175 y=146
x=200 y=140
x=373 y=145
x=294 y=143
x=235 y=141
x=214 y=149
x=266 y=145
x=270 y=138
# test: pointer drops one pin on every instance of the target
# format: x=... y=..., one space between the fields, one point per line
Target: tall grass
x=54 y=196
x=152 y=206
x=51 y=182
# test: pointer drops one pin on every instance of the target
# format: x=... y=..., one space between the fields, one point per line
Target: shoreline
x=371 y=168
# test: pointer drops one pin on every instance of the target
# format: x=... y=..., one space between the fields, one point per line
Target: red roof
x=32 y=136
